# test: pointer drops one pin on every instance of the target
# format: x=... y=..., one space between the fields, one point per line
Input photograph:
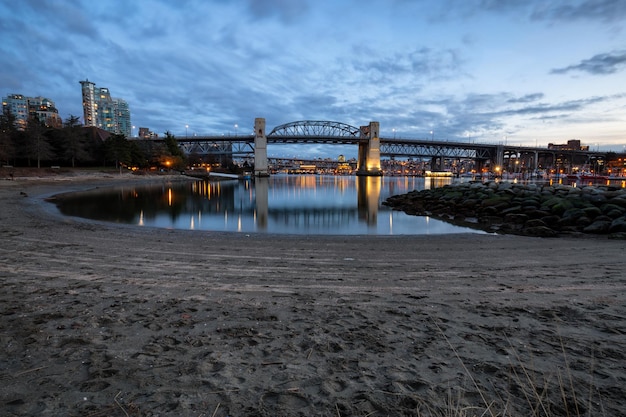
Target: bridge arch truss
x=312 y=130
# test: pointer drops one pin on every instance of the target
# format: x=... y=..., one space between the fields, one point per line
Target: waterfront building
x=103 y=111
x=145 y=133
x=571 y=145
x=24 y=108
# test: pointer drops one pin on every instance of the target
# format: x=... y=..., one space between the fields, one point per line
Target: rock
x=535 y=223
x=536 y=214
x=619 y=201
x=533 y=210
x=539 y=231
x=592 y=211
x=511 y=210
x=614 y=214
x=598 y=227
x=618 y=225
x=561 y=207
x=515 y=218
x=496 y=201
x=491 y=220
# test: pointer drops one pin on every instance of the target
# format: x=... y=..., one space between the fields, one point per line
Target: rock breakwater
x=525 y=209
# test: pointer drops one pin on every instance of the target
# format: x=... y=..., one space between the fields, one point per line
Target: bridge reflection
x=278 y=204
x=298 y=202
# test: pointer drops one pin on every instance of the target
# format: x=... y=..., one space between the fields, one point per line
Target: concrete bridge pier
x=436 y=163
x=369 y=151
x=499 y=157
x=261 y=166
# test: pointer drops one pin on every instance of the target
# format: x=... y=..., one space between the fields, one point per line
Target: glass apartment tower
x=104 y=112
x=25 y=108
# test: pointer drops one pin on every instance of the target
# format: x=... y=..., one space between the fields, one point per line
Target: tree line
x=73 y=145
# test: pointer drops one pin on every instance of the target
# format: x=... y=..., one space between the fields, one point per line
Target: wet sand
x=112 y=320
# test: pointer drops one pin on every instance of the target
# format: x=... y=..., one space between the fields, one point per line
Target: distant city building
x=571 y=145
x=39 y=108
x=103 y=111
x=145 y=133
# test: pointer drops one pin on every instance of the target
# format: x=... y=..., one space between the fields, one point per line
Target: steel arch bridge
x=371 y=146
x=303 y=131
x=330 y=132
x=314 y=129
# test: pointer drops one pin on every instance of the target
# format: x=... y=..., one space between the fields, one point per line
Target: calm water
x=290 y=204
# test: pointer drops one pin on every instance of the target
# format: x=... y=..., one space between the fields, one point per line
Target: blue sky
x=523 y=71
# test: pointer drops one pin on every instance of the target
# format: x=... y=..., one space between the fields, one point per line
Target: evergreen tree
x=74 y=141
x=7 y=136
x=118 y=149
x=36 y=143
x=178 y=159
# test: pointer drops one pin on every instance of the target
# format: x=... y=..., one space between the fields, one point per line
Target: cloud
x=538 y=10
x=528 y=98
x=67 y=17
x=287 y=11
x=567 y=10
x=601 y=64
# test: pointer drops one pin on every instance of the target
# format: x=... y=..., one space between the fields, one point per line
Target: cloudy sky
x=522 y=71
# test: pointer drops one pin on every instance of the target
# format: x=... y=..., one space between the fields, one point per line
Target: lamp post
x=236 y=127
x=186 y=130
x=432 y=135
x=394 y=132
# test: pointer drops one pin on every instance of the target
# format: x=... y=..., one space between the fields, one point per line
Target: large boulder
x=618 y=225
x=598 y=227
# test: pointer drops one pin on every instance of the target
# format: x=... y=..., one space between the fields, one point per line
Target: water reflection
x=304 y=204
x=368 y=195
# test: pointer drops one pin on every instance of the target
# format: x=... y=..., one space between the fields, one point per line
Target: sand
x=112 y=320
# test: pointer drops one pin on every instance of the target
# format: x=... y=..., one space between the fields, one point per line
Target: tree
x=74 y=141
x=36 y=143
x=117 y=149
x=7 y=136
x=178 y=159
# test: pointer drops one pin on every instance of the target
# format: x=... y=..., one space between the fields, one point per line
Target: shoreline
x=102 y=319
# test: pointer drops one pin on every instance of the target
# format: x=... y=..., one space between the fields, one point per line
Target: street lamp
x=133 y=132
x=432 y=135
x=394 y=132
x=186 y=130
x=236 y=127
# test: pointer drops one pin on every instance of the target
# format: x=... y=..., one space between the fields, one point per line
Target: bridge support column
x=261 y=168
x=436 y=163
x=499 y=157
x=369 y=151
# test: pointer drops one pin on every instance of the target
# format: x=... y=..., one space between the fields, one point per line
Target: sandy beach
x=113 y=320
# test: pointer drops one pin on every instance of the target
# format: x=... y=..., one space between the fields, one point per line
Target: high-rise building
x=23 y=108
x=103 y=111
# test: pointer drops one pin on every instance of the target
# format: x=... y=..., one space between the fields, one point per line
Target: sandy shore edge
x=115 y=320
